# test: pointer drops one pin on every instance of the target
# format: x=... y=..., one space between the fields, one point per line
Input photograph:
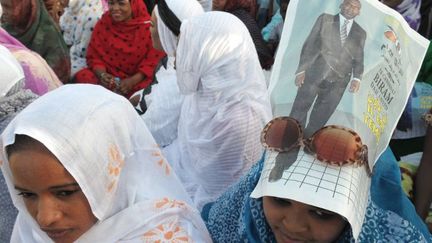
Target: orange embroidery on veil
x=168 y=232
x=162 y=161
x=116 y=163
x=167 y=203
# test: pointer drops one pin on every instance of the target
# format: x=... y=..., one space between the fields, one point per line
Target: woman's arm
x=423 y=181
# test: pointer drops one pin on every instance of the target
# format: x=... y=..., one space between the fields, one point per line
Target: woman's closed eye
x=66 y=193
x=281 y=201
x=322 y=214
x=26 y=195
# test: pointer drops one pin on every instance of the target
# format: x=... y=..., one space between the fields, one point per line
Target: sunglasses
x=334 y=145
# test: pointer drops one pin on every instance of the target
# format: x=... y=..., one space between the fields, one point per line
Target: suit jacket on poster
x=324 y=58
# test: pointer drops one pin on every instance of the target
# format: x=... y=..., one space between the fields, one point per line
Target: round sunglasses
x=334 y=145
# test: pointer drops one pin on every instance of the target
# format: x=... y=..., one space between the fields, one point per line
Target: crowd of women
x=157 y=135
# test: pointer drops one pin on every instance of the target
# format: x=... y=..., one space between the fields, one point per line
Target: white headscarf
x=164 y=102
x=12 y=100
x=227 y=106
x=11 y=71
x=95 y=133
x=183 y=9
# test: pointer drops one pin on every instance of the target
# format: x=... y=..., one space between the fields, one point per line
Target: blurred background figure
x=120 y=56
x=13 y=98
x=39 y=77
x=246 y=10
x=77 y=24
x=29 y=22
x=56 y=8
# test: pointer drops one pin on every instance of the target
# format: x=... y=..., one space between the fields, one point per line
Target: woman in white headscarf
x=88 y=170
x=13 y=98
x=77 y=23
x=162 y=106
x=225 y=107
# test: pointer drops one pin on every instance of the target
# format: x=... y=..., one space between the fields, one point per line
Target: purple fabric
x=39 y=76
x=410 y=10
x=8 y=41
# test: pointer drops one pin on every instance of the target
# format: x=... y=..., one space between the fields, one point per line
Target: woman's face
x=292 y=221
x=154 y=33
x=51 y=195
x=13 y=13
x=219 y=5
x=120 y=10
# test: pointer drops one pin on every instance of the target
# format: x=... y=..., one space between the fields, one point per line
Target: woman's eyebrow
x=65 y=185
x=19 y=188
x=53 y=187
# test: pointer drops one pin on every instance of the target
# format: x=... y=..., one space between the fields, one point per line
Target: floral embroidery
x=115 y=165
x=161 y=161
x=167 y=203
x=169 y=232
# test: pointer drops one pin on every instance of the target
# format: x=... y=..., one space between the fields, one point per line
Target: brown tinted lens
x=282 y=134
x=336 y=144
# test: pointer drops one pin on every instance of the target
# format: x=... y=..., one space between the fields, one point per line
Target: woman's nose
x=48 y=213
x=115 y=6
x=295 y=223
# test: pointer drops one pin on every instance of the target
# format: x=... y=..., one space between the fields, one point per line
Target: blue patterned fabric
x=390 y=216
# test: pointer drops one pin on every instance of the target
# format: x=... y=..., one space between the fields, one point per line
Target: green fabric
x=46 y=39
x=425 y=74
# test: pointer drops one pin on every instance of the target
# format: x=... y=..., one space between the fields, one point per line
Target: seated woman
x=29 y=22
x=389 y=217
x=39 y=77
x=13 y=98
x=120 y=55
x=245 y=10
x=97 y=177
x=77 y=24
x=225 y=105
x=161 y=106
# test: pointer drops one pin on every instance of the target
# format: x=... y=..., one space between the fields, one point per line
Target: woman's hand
x=126 y=85
x=107 y=80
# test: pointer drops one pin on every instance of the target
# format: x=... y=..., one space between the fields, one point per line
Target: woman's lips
x=57 y=233
x=116 y=15
x=288 y=239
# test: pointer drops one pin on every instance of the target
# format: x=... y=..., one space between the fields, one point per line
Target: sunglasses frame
x=361 y=154
x=285 y=149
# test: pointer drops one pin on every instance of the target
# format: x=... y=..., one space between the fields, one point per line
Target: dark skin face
x=120 y=10
x=15 y=14
x=51 y=195
x=350 y=8
x=294 y=222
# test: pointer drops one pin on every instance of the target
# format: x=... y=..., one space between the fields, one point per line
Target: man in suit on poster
x=331 y=58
